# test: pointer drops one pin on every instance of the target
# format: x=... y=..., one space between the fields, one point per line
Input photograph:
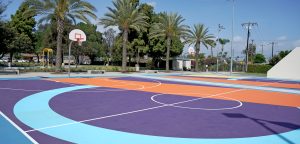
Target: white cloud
x=282 y=38
x=238 y=39
x=152 y=3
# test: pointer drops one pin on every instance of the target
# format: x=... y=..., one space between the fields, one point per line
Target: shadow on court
x=261 y=122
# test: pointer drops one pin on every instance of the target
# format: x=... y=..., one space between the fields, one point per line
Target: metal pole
x=247 y=49
x=69 y=69
x=220 y=28
x=217 y=64
x=232 y=33
x=262 y=49
x=273 y=49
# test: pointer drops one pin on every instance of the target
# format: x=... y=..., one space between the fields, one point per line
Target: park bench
x=151 y=71
x=96 y=71
x=9 y=71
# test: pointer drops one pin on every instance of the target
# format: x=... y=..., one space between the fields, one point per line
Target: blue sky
x=278 y=20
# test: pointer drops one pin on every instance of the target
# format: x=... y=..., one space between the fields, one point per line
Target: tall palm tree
x=126 y=16
x=199 y=35
x=212 y=45
x=62 y=10
x=169 y=27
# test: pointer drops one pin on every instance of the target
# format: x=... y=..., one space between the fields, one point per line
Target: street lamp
x=232 y=33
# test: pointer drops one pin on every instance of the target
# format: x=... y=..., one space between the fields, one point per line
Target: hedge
x=78 y=69
x=259 y=68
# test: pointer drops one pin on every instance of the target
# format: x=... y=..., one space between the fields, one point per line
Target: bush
x=78 y=69
x=259 y=68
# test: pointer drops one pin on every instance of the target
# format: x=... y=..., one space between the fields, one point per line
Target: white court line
x=136 y=111
x=99 y=118
x=18 y=128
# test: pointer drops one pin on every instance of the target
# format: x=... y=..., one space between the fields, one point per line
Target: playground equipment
x=288 y=67
x=46 y=55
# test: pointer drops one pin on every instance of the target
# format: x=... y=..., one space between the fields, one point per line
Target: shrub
x=259 y=68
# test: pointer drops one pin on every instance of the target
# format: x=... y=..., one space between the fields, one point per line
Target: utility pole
x=252 y=52
x=273 y=43
x=262 y=48
x=220 y=28
x=248 y=26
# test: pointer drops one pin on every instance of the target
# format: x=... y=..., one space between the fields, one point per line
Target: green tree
x=223 y=42
x=212 y=45
x=22 y=23
x=6 y=34
x=109 y=39
x=126 y=16
x=93 y=47
x=259 y=58
x=252 y=52
x=169 y=26
x=61 y=11
x=199 y=35
x=277 y=58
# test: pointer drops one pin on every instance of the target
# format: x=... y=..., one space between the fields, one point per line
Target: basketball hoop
x=78 y=36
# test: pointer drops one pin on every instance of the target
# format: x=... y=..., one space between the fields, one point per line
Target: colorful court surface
x=150 y=109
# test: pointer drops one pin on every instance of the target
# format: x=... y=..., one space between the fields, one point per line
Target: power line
x=248 y=26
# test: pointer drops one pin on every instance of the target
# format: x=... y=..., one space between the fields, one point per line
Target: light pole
x=69 y=68
x=220 y=28
x=232 y=33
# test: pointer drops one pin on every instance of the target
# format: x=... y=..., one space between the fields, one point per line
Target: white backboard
x=76 y=35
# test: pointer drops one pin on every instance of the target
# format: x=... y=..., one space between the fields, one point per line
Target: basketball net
x=79 y=41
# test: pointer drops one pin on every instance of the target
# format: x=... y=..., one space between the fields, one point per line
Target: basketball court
x=150 y=109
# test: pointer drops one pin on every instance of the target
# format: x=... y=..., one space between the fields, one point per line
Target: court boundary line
x=18 y=128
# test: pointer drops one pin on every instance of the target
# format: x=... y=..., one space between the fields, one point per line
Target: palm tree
x=212 y=45
x=61 y=11
x=126 y=16
x=169 y=26
x=223 y=42
x=199 y=35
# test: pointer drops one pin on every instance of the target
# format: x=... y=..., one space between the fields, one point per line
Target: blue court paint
x=263 y=88
x=25 y=78
x=10 y=134
x=35 y=112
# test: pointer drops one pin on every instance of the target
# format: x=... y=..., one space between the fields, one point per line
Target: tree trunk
x=211 y=51
x=11 y=54
x=124 y=53
x=38 y=57
x=197 y=57
x=138 y=57
x=60 y=29
x=168 y=53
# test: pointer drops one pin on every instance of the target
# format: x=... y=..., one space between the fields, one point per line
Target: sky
x=278 y=20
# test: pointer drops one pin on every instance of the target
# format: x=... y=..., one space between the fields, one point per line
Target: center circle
x=154 y=98
x=134 y=112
